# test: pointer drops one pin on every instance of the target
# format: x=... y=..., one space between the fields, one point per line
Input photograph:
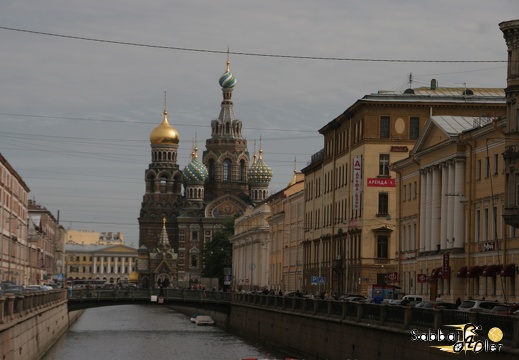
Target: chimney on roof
x=434 y=84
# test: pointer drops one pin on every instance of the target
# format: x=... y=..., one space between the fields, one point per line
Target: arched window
x=163 y=184
x=211 y=170
x=242 y=170
x=227 y=170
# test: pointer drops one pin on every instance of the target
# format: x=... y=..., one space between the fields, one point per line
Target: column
x=444 y=205
x=450 y=204
x=428 y=212
x=116 y=262
x=459 y=207
x=108 y=265
x=435 y=204
x=94 y=266
x=123 y=264
x=102 y=264
x=423 y=198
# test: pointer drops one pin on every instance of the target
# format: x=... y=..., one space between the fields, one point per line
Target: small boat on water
x=204 y=320
x=193 y=317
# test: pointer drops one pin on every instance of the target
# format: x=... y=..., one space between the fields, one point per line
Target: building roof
x=455 y=125
x=443 y=94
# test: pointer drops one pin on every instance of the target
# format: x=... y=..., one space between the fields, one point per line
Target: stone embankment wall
x=31 y=325
x=313 y=337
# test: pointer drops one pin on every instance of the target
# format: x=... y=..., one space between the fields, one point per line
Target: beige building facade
x=286 y=236
x=453 y=239
x=351 y=195
x=111 y=264
x=251 y=249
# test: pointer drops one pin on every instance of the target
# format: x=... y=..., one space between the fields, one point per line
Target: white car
x=204 y=320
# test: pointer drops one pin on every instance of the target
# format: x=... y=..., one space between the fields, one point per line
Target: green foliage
x=218 y=252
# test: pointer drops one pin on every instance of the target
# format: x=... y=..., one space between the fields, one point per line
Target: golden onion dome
x=164 y=133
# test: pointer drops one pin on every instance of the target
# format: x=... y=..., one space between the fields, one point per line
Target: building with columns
x=251 y=248
x=286 y=235
x=453 y=240
x=113 y=264
x=351 y=189
x=197 y=200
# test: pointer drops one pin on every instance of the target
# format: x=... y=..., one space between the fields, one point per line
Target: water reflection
x=147 y=332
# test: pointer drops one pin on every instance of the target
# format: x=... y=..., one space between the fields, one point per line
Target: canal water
x=132 y=332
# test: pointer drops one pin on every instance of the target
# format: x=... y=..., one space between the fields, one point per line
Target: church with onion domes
x=182 y=208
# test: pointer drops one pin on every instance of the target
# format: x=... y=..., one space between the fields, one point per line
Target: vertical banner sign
x=446 y=266
x=357 y=182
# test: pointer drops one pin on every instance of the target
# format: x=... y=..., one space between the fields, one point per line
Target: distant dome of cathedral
x=259 y=172
x=195 y=170
x=164 y=133
x=227 y=80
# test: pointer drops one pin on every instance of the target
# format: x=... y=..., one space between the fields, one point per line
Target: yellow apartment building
x=350 y=216
x=453 y=239
x=286 y=236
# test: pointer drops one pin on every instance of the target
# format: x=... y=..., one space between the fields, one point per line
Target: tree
x=218 y=252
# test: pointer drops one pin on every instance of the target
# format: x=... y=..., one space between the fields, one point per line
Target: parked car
x=435 y=305
x=478 y=305
x=505 y=309
x=352 y=298
x=33 y=288
x=14 y=289
x=413 y=299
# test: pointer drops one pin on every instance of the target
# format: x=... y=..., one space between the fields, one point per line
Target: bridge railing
x=403 y=317
x=13 y=306
x=133 y=294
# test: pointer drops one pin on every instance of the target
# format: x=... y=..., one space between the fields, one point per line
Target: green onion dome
x=195 y=171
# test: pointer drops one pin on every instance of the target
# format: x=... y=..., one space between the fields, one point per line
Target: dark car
x=504 y=309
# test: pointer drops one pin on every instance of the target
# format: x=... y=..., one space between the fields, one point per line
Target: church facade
x=182 y=209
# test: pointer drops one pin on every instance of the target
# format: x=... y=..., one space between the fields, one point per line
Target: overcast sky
x=75 y=115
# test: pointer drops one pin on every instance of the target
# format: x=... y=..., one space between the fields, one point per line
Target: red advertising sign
x=357 y=168
x=421 y=278
x=381 y=182
x=391 y=277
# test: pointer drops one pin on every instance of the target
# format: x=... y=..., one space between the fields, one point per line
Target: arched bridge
x=89 y=298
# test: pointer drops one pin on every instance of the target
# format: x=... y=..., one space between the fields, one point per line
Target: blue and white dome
x=195 y=171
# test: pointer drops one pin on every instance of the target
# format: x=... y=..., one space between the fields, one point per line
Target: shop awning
x=508 y=270
x=491 y=270
x=437 y=272
x=462 y=272
x=474 y=271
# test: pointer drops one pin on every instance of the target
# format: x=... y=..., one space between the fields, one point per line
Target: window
x=194 y=261
x=383 y=203
x=383 y=165
x=496 y=163
x=382 y=244
x=242 y=170
x=384 y=127
x=404 y=195
x=211 y=169
x=194 y=236
x=226 y=170
x=414 y=128
x=478 y=170
x=487 y=166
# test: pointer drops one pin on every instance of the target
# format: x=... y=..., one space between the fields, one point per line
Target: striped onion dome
x=259 y=173
x=227 y=80
x=195 y=171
